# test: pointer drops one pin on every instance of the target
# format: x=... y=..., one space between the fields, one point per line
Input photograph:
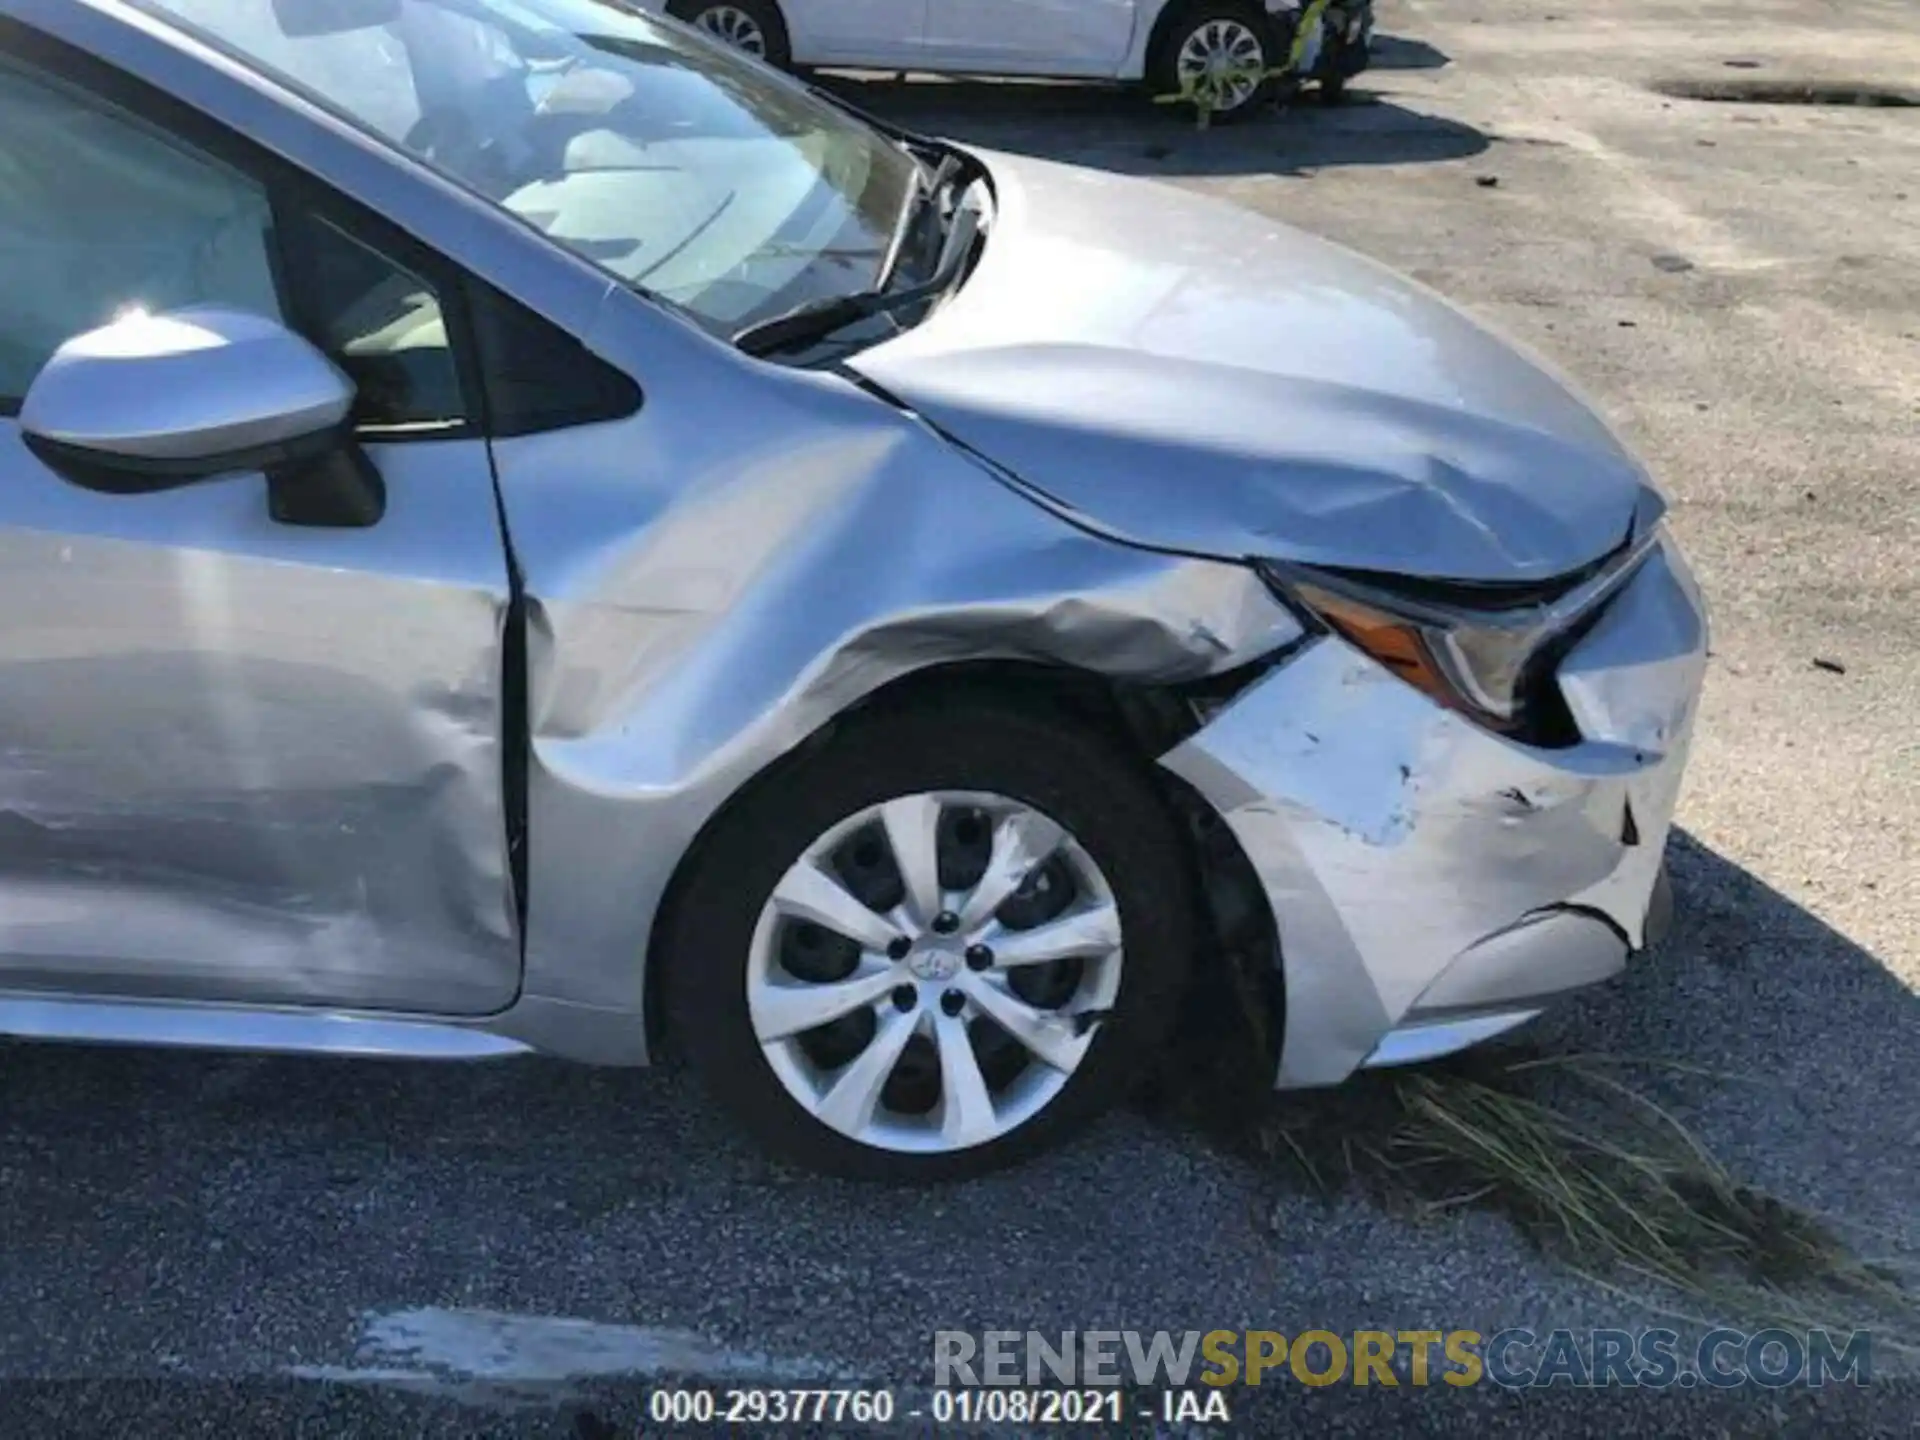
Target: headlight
x=1485 y=650
x=1477 y=665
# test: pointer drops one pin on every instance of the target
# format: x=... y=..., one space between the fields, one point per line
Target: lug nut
x=979 y=957
x=953 y=1002
x=905 y=997
x=946 y=922
x=898 y=947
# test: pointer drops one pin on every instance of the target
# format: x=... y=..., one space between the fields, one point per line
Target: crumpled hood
x=1191 y=376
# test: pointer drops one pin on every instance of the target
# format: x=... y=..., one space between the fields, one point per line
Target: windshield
x=667 y=159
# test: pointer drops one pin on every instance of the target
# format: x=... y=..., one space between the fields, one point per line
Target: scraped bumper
x=1433 y=884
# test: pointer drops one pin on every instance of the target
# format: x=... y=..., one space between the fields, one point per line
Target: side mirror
x=154 y=402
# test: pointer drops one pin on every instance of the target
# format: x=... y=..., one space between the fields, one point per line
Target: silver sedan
x=522 y=529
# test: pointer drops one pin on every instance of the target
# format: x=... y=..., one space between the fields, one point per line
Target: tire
x=716 y=934
x=1164 y=67
x=1333 y=89
x=728 y=19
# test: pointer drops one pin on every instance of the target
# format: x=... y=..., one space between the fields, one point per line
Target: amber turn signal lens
x=1392 y=642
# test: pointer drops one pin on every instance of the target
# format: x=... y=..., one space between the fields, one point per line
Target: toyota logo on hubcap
x=934 y=963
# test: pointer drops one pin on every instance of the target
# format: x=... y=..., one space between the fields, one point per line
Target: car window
x=379 y=321
x=679 y=166
x=370 y=64
x=102 y=212
x=99 y=213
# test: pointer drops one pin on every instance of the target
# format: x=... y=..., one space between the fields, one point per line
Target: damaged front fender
x=703 y=596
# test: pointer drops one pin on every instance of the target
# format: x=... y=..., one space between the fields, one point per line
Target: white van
x=1170 y=44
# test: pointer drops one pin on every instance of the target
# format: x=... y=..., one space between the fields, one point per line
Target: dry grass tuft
x=1575 y=1150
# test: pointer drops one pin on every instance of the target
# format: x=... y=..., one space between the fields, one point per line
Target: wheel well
x=1144 y=722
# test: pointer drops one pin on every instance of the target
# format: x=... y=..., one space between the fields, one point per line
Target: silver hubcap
x=736 y=27
x=1222 y=62
x=932 y=970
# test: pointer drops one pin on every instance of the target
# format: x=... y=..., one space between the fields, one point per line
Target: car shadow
x=235 y=1210
x=1124 y=131
x=1808 y=1040
x=1398 y=52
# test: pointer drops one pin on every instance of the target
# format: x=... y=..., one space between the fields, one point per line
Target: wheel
x=1223 y=48
x=754 y=26
x=1333 y=89
x=933 y=946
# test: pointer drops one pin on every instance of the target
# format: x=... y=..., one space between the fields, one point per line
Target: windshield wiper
x=818 y=319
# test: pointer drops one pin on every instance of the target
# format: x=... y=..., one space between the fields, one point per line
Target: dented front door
x=243 y=761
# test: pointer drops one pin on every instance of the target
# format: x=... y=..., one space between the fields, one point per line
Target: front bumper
x=1433 y=884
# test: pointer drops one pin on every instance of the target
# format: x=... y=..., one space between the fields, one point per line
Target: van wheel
x=754 y=26
x=1221 y=48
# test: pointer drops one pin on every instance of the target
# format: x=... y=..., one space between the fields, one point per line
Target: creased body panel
x=1184 y=373
x=1392 y=836
x=695 y=617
